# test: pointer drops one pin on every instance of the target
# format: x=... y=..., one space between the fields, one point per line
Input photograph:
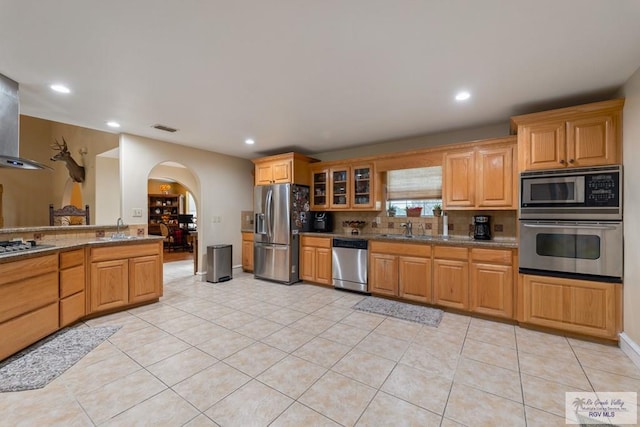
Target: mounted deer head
x=76 y=172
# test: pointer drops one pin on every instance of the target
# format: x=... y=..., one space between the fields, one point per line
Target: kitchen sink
x=115 y=237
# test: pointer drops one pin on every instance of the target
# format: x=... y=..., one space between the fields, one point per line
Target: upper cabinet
x=344 y=186
x=282 y=169
x=586 y=135
x=483 y=177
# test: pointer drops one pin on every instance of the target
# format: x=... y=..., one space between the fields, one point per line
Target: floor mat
x=37 y=365
x=414 y=313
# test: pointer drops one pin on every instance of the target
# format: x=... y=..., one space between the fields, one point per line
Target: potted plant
x=437 y=210
x=414 y=211
x=391 y=211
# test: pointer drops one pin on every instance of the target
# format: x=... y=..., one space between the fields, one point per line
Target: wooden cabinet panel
x=362 y=184
x=281 y=172
x=496 y=177
x=383 y=274
x=282 y=168
x=415 y=278
x=320 y=189
x=30 y=267
x=544 y=145
x=340 y=190
x=315 y=260
x=591 y=141
x=323 y=266
x=308 y=263
x=144 y=278
x=451 y=252
x=451 y=283
x=247 y=251
x=105 y=253
x=72 y=308
x=494 y=256
x=24 y=330
x=491 y=289
x=72 y=280
x=109 y=285
x=24 y=295
x=71 y=258
x=459 y=180
x=418 y=250
x=585 y=307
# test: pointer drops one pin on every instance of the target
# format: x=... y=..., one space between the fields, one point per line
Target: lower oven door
x=583 y=249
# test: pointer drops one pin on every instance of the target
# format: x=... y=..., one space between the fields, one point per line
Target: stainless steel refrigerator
x=281 y=212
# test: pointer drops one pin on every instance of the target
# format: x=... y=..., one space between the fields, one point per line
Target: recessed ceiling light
x=463 y=96
x=249 y=141
x=60 y=88
x=113 y=124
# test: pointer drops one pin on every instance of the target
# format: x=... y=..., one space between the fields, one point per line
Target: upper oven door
x=552 y=191
x=581 y=249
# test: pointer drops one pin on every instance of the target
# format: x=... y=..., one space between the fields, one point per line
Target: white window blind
x=415 y=184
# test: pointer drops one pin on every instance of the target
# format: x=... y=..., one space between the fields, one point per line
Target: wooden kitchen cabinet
x=451 y=277
x=400 y=270
x=340 y=191
x=584 y=307
x=581 y=136
x=491 y=282
x=482 y=177
x=124 y=275
x=72 y=286
x=315 y=260
x=345 y=186
x=28 y=302
x=362 y=186
x=247 y=251
x=282 y=169
x=320 y=189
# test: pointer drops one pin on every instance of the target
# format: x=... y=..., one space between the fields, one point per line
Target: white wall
x=225 y=186
x=631 y=149
x=107 y=206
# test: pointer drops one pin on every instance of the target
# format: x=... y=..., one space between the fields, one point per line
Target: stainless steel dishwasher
x=349 y=262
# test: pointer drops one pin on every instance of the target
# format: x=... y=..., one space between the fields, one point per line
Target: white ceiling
x=311 y=75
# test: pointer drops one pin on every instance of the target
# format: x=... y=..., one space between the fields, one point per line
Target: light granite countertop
x=63 y=244
x=428 y=240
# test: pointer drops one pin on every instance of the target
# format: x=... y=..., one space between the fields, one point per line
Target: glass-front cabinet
x=362 y=179
x=339 y=188
x=320 y=189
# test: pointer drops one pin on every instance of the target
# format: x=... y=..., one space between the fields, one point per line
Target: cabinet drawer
x=495 y=256
x=26 y=295
x=451 y=252
x=318 y=242
x=247 y=237
x=71 y=280
x=20 y=270
x=418 y=250
x=71 y=309
x=124 y=251
x=71 y=258
x=23 y=331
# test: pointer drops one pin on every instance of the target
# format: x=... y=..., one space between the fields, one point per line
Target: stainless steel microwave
x=572 y=194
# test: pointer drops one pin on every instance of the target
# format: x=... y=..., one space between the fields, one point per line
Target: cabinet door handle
x=562 y=161
x=571 y=160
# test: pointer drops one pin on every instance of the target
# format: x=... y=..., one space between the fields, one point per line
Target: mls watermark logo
x=608 y=407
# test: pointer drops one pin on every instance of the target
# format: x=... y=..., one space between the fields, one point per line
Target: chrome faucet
x=408 y=229
x=119 y=223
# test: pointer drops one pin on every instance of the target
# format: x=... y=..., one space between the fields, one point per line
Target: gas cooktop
x=15 y=246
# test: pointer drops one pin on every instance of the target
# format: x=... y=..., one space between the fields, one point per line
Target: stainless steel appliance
x=481 y=227
x=9 y=247
x=322 y=222
x=281 y=212
x=572 y=194
x=349 y=264
x=589 y=250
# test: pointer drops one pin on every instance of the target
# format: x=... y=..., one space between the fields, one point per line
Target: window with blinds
x=413 y=188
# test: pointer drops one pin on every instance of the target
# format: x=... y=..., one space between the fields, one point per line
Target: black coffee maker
x=481 y=228
x=322 y=222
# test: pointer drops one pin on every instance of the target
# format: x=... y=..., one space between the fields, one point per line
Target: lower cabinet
x=72 y=285
x=28 y=302
x=584 y=307
x=491 y=281
x=401 y=270
x=315 y=260
x=247 y=251
x=123 y=275
x=451 y=277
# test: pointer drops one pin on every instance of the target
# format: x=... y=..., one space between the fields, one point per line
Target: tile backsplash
x=503 y=223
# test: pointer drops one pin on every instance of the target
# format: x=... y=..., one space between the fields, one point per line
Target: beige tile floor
x=255 y=353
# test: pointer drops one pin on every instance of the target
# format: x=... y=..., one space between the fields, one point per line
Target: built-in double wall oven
x=571 y=223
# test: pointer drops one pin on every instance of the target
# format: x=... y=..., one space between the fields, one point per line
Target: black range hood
x=10 y=128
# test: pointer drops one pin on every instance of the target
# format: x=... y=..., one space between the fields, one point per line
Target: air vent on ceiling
x=164 y=128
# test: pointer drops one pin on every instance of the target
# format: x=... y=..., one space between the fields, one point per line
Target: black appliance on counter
x=481 y=227
x=322 y=222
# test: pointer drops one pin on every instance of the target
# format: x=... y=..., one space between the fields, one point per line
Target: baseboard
x=630 y=348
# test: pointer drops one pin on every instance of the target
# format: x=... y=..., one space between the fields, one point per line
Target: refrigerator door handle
x=259 y=223
x=269 y=214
